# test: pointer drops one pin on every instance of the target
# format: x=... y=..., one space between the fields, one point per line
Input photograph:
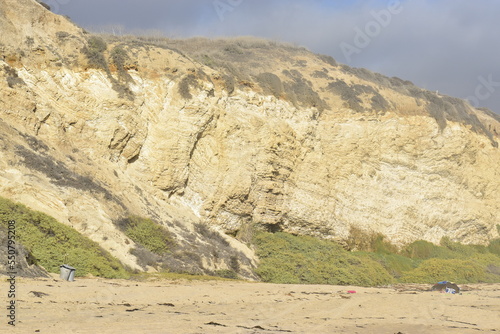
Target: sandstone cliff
x=232 y=133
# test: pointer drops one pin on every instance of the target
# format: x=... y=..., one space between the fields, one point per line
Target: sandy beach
x=94 y=305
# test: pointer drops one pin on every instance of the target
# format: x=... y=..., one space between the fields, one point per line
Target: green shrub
x=348 y=93
x=453 y=261
x=44 y=4
x=13 y=78
x=208 y=61
x=213 y=236
x=230 y=83
x=145 y=257
x=457 y=248
x=299 y=91
x=306 y=260
x=447 y=249
x=185 y=86
x=425 y=250
x=299 y=259
x=328 y=59
x=380 y=244
x=270 y=83
x=321 y=75
x=119 y=57
x=494 y=247
x=226 y=273
x=435 y=270
x=147 y=233
x=361 y=240
x=62 y=35
x=234 y=263
x=379 y=103
x=396 y=265
x=94 y=52
x=52 y=243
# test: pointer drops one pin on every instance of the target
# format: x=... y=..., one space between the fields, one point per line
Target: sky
x=447 y=45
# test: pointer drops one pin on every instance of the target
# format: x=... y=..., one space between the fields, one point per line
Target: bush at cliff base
x=482 y=268
x=51 y=243
x=285 y=258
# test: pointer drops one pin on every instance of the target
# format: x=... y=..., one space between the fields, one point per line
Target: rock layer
x=271 y=135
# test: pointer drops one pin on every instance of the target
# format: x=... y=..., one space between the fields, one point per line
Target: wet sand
x=124 y=306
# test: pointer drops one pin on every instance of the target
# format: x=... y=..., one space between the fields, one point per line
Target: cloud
x=445 y=45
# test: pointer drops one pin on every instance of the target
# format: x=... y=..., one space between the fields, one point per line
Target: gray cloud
x=445 y=45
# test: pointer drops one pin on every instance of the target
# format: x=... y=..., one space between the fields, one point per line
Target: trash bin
x=67 y=272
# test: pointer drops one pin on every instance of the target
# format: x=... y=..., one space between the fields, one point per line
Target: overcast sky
x=446 y=45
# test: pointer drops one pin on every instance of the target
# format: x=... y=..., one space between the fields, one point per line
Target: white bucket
x=67 y=272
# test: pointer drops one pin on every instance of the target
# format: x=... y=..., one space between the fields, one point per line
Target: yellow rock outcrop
x=296 y=143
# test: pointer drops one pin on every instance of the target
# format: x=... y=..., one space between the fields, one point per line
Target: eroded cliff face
x=268 y=135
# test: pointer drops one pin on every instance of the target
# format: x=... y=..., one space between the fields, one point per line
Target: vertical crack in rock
x=277 y=163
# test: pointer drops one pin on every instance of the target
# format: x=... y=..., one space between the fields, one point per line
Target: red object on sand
x=351 y=291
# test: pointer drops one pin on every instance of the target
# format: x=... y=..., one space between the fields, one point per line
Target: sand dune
x=125 y=306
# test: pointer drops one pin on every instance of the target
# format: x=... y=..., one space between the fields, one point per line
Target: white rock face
x=77 y=147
